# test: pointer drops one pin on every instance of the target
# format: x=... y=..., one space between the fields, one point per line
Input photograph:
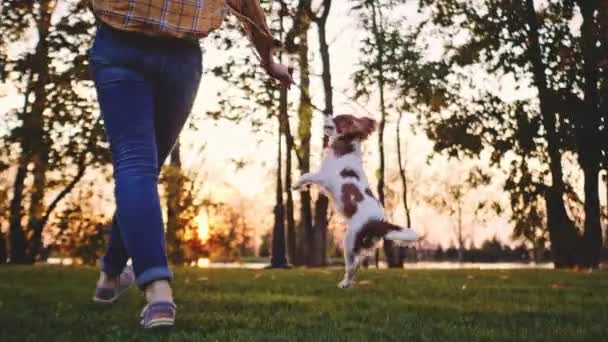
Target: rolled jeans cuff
x=153 y=274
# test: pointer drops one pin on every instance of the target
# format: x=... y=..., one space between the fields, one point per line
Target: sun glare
x=203 y=262
x=202 y=221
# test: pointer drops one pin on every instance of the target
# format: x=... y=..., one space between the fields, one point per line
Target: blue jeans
x=145 y=87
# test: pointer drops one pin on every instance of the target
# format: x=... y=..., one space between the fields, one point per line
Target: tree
x=285 y=133
x=528 y=212
x=278 y=259
x=402 y=177
x=174 y=187
x=296 y=42
x=264 y=248
x=372 y=72
x=321 y=220
x=79 y=229
x=229 y=235
x=3 y=209
x=394 y=69
x=457 y=197
x=238 y=70
x=602 y=65
x=452 y=203
x=185 y=205
x=533 y=44
x=313 y=228
x=3 y=254
x=587 y=132
x=57 y=127
x=261 y=92
x=289 y=204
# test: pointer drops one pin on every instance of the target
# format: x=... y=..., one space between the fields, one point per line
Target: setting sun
x=202 y=222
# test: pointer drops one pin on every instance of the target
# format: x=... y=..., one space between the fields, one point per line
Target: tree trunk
x=17 y=241
x=602 y=19
x=460 y=237
x=406 y=207
x=592 y=237
x=289 y=208
x=16 y=233
x=294 y=250
x=606 y=205
x=389 y=249
x=306 y=229
x=38 y=140
x=589 y=151
x=606 y=224
x=36 y=240
x=289 y=149
x=304 y=123
x=401 y=161
x=36 y=209
x=278 y=259
x=562 y=232
x=322 y=202
x=174 y=187
x=2 y=248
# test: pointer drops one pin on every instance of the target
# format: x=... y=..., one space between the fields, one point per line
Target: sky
x=252 y=187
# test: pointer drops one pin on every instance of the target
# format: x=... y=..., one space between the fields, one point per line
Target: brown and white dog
x=342 y=178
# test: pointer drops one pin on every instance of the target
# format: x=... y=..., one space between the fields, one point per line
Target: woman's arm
x=253 y=19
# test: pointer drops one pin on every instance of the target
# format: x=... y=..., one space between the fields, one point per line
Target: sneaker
x=158 y=315
x=109 y=295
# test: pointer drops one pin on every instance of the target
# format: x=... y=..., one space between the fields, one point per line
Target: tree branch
x=37 y=238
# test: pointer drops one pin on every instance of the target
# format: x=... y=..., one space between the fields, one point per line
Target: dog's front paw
x=344 y=284
x=300 y=187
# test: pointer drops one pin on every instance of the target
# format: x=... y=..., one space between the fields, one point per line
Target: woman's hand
x=280 y=73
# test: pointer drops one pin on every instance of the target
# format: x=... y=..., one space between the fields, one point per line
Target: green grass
x=46 y=303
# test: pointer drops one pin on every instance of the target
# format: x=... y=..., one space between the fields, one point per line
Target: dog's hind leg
x=352 y=260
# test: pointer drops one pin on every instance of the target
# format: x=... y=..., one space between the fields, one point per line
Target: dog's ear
x=352 y=127
x=366 y=126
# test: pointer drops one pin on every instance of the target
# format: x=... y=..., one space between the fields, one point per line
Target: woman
x=146 y=65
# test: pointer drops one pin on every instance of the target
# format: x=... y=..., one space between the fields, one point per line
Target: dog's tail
x=375 y=230
x=401 y=234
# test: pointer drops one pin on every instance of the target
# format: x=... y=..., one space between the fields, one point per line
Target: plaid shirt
x=177 y=18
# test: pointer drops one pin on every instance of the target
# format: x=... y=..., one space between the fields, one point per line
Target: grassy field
x=46 y=303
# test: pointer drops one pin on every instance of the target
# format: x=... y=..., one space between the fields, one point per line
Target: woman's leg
x=176 y=94
x=174 y=101
x=114 y=260
x=126 y=100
